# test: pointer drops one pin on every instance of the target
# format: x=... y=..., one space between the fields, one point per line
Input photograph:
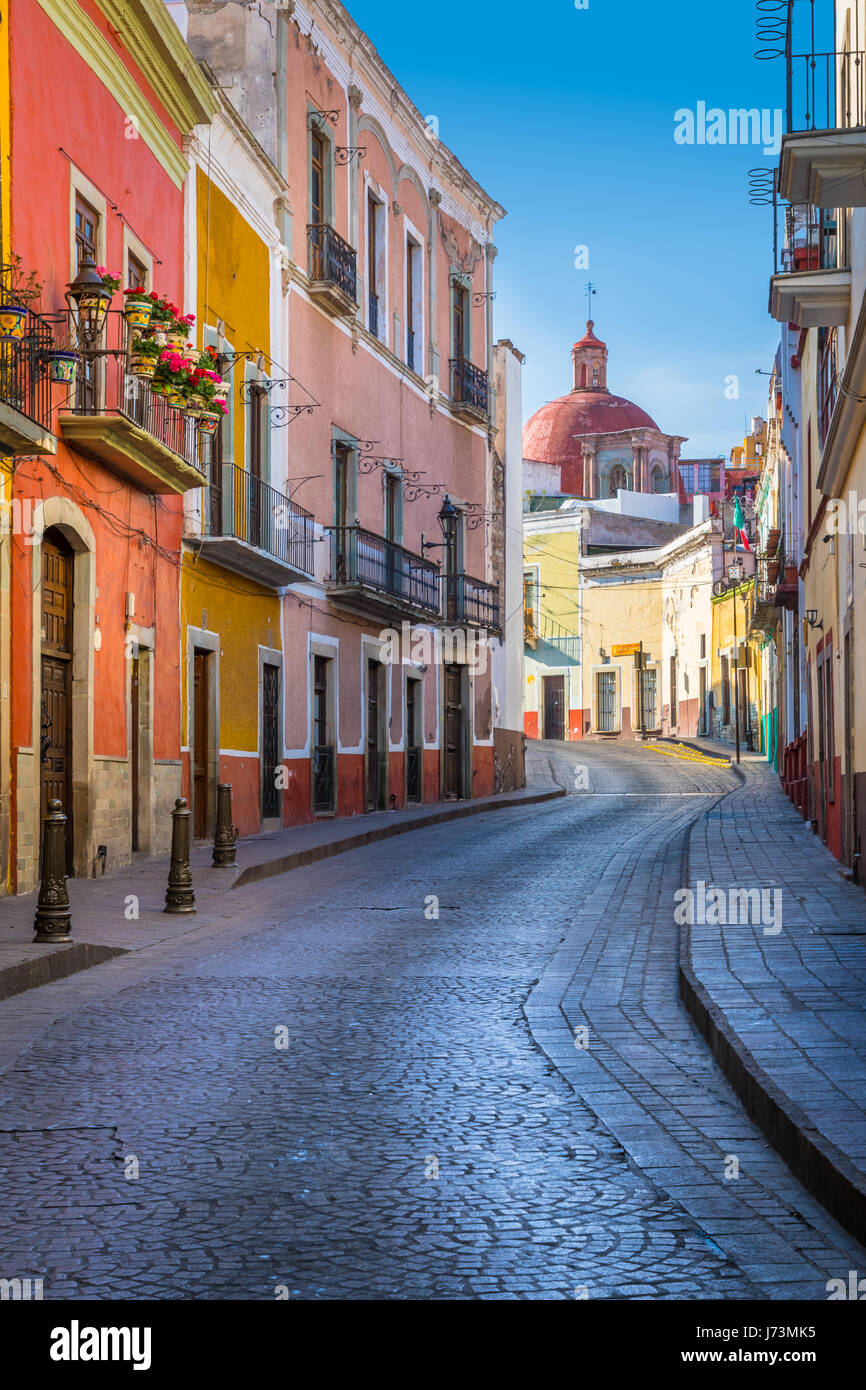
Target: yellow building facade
x=235 y=540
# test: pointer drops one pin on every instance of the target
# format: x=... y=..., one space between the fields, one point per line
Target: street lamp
x=449 y=519
x=88 y=300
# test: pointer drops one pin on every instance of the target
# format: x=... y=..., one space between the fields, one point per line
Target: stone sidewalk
x=778 y=989
x=123 y=912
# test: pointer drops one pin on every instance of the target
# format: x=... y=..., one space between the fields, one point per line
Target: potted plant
x=172 y=377
x=63 y=360
x=773 y=540
x=137 y=307
x=17 y=296
x=143 y=355
x=209 y=419
x=111 y=279
x=773 y=567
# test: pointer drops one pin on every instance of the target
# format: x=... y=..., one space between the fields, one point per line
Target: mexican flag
x=740 y=524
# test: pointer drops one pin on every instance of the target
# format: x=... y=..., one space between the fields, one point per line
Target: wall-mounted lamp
x=812 y=618
x=448 y=519
x=88 y=300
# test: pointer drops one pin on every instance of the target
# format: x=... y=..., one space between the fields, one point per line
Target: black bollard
x=179 y=896
x=224 y=842
x=53 y=920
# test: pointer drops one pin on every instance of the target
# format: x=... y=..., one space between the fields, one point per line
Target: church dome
x=554 y=433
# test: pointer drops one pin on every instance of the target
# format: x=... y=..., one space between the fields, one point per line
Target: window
x=342 y=483
x=458 y=320
x=726 y=691
x=413 y=305
x=826 y=379
x=605 y=702
x=659 y=481
x=618 y=478
x=373 y=213
x=649 y=706
x=136 y=274
x=317 y=178
x=674 y=710
x=393 y=529
x=530 y=617
x=703 y=646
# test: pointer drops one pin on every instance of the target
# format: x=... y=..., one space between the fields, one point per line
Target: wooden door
x=453 y=788
x=373 y=799
x=201 y=742
x=56 y=672
x=270 y=741
x=554 y=707
x=703 y=727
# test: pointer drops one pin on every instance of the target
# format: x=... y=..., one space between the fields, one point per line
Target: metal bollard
x=179 y=896
x=224 y=841
x=53 y=920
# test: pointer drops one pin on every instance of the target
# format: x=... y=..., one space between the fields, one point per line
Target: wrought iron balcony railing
x=826 y=91
x=247 y=508
x=362 y=559
x=468 y=384
x=332 y=260
x=473 y=601
x=105 y=386
x=25 y=381
x=805 y=238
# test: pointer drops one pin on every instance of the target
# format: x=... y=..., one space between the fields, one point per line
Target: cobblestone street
x=342 y=1097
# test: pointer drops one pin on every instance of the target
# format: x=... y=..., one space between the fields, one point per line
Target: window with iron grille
x=605 y=702
x=650 y=698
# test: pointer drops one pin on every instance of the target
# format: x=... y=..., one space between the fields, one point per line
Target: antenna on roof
x=590 y=291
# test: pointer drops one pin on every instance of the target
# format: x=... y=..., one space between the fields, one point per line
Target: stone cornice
x=154 y=42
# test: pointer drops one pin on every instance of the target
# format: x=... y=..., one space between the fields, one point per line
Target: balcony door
x=86 y=247
x=56 y=673
x=323 y=751
x=414 y=739
x=458 y=321
x=376 y=755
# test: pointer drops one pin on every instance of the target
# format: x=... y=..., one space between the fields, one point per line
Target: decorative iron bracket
x=279 y=415
x=481 y=296
x=320 y=117
x=344 y=154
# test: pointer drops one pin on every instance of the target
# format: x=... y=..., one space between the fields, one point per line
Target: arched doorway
x=58 y=618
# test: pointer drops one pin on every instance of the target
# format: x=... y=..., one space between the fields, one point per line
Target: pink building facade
x=392 y=641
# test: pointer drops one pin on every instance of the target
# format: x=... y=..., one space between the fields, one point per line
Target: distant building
x=590 y=443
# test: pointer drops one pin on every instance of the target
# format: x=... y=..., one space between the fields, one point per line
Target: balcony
x=469 y=398
x=809 y=287
x=114 y=416
x=255 y=530
x=378 y=578
x=473 y=602
x=824 y=148
x=785 y=594
x=333 y=273
x=25 y=390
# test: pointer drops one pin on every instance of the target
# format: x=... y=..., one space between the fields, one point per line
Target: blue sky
x=566 y=116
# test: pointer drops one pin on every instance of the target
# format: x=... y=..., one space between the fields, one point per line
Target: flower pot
x=13 y=321
x=142 y=365
x=773 y=567
x=177 y=399
x=176 y=337
x=773 y=540
x=791 y=575
x=62 y=365
x=160 y=388
x=137 y=310
x=208 y=422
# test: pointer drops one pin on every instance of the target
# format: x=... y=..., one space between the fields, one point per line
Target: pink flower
x=101 y=270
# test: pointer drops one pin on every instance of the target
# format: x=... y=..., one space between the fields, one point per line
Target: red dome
x=549 y=437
